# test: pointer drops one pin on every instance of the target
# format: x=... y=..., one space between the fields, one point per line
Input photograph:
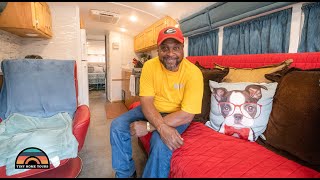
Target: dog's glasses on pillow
x=248 y=110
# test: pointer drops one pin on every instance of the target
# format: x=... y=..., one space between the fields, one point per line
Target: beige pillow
x=255 y=75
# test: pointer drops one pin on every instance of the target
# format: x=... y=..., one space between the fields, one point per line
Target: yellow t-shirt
x=172 y=91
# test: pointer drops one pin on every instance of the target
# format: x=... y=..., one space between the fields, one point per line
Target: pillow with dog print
x=241 y=109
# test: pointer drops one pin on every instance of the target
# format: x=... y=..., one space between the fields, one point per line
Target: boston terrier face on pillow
x=239 y=109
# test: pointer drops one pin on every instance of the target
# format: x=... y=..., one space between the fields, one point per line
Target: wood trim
x=117 y=101
x=119 y=79
x=81 y=23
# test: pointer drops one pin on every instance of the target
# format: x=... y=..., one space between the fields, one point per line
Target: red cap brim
x=173 y=37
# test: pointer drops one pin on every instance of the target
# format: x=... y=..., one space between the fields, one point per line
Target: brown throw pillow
x=256 y=75
x=276 y=76
x=294 y=122
x=201 y=67
x=208 y=74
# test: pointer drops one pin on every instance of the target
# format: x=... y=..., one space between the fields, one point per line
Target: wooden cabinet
x=81 y=23
x=165 y=22
x=127 y=97
x=139 y=42
x=147 y=40
x=148 y=37
x=27 y=19
x=158 y=26
x=48 y=20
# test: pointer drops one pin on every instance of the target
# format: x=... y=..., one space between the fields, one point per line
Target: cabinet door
x=48 y=21
x=147 y=40
x=140 y=41
x=135 y=43
x=125 y=87
x=25 y=18
x=158 y=26
x=170 y=21
x=17 y=15
x=40 y=15
x=149 y=37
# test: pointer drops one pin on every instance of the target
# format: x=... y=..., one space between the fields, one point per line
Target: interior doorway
x=96 y=63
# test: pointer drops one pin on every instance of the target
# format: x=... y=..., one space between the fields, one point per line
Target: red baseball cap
x=170 y=32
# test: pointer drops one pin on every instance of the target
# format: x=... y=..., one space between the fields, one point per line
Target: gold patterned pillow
x=256 y=75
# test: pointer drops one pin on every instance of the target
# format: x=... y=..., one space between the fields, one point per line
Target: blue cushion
x=39 y=88
x=241 y=109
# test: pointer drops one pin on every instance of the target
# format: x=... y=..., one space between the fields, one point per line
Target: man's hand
x=166 y=128
x=170 y=136
x=138 y=128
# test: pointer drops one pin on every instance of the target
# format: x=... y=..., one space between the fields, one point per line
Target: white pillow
x=241 y=109
x=98 y=69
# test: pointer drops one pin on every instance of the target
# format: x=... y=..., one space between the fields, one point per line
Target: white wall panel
x=10 y=46
x=119 y=57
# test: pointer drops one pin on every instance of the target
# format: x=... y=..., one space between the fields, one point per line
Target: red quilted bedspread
x=213 y=154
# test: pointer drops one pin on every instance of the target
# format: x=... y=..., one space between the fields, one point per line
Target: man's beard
x=169 y=63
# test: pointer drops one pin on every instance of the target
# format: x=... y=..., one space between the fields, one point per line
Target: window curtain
x=266 y=34
x=204 y=44
x=310 y=36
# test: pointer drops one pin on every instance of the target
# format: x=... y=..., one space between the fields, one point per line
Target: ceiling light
x=158 y=3
x=123 y=29
x=133 y=18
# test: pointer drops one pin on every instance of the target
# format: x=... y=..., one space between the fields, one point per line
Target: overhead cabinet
x=139 y=42
x=27 y=19
x=147 y=39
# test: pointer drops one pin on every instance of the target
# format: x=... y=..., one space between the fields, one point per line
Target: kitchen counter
x=126 y=94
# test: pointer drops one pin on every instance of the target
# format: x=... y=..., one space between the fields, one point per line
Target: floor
x=96 y=152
